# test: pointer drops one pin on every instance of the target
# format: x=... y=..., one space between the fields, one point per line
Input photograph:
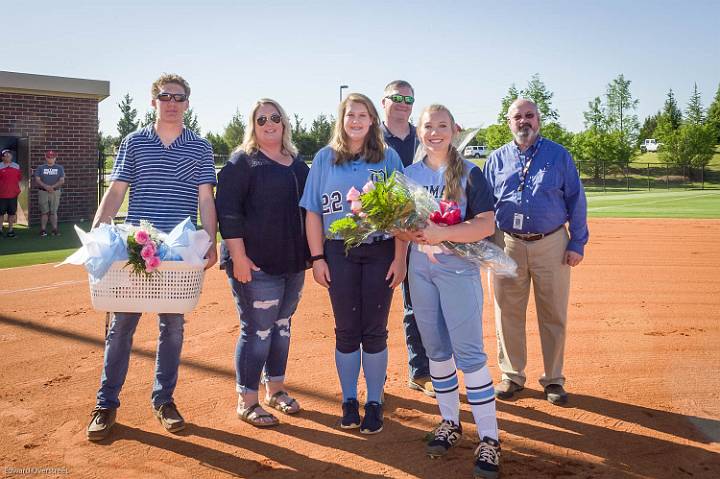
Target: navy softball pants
x=360 y=294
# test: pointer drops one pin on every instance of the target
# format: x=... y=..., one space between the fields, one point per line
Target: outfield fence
x=646 y=176
x=596 y=176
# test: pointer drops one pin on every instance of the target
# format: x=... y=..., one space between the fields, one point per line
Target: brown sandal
x=283 y=406
x=251 y=416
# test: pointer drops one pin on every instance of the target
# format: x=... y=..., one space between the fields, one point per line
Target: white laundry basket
x=174 y=288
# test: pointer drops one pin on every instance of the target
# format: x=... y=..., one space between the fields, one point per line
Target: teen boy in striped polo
x=170 y=172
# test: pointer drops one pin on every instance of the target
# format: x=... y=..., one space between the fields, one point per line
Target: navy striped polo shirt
x=163 y=180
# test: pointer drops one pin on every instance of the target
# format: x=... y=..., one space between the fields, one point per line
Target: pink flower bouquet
x=143 y=248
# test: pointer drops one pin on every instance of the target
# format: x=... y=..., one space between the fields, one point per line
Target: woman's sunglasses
x=178 y=97
x=401 y=98
x=262 y=119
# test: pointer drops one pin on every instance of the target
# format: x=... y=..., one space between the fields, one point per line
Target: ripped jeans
x=265 y=305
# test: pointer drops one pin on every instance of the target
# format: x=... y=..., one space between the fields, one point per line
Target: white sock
x=481 y=398
x=445 y=382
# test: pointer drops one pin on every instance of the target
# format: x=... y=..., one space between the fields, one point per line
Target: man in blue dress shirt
x=537 y=192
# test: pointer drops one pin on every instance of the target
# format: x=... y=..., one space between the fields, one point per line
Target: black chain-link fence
x=646 y=176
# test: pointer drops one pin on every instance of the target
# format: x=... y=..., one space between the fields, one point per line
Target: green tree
x=505 y=103
x=542 y=97
x=620 y=107
x=497 y=135
x=480 y=137
x=321 y=130
x=594 y=150
x=609 y=141
x=595 y=117
x=554 y=131
x=713 y=115
x=690 y=145
x=671 y=111
x=106 y=143
x=234 y=132
x=309 y=141
x=219 y=146
x=149 y=118
x=190 y=120
x=695 y=113
x=127 y=123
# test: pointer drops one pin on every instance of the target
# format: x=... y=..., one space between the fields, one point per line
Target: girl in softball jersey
x=360 y=282
x=447 y=293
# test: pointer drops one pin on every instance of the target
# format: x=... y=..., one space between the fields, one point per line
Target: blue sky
x=464 y=54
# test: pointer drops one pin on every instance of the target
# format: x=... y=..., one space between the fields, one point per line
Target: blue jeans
x=265 y=306
x=448 y=300
x=118 y=344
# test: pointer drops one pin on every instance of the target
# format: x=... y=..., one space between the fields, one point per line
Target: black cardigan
x=257 y=199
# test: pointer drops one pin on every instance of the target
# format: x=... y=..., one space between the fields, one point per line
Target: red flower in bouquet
x=448 y=215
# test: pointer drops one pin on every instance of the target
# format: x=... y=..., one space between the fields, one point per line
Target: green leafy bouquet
x=398 y=203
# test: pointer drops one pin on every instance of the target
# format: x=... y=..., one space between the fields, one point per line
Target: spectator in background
x=10 y=177
x=49 y=177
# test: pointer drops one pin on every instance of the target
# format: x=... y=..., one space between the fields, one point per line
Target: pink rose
x=148 y=251
x=353 y=195
x=152 y=263
x=142 y=236
x=356 y=206
x=369 y=186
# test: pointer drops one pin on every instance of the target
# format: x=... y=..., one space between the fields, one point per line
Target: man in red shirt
x=10 y=177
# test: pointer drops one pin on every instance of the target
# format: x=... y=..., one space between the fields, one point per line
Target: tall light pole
x=341 y=89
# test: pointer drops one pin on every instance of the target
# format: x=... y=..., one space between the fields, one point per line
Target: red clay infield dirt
x=642 y=361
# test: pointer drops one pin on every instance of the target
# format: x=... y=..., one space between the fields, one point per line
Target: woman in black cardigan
x=264 y=254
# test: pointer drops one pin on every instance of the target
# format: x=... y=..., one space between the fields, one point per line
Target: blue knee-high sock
x=480 y=395
x=445 y=383
x=348 y=368
x=375 y=369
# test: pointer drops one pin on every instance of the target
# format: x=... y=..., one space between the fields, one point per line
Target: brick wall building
x=40 y=113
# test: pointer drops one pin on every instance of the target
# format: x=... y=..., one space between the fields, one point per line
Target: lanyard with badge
x=526 y=162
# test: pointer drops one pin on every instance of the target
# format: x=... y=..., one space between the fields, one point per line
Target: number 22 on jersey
x=332 y=203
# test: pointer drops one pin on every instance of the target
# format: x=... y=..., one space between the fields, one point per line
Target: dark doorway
x=20 y=147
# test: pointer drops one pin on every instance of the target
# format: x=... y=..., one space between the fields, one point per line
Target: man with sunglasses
x=537 y=191
x=399 y=133
x=170 y=173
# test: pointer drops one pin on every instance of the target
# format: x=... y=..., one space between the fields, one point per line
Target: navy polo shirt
x=405 y=148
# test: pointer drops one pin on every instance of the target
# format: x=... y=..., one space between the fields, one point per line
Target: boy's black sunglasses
x=178 y=97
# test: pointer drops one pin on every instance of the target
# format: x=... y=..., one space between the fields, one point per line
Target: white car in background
x=476 y=151
x=651 y=145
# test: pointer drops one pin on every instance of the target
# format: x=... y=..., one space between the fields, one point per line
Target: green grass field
x=691 y=204
x=29 y=248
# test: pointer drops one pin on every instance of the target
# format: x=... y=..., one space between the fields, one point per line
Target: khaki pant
x=542 y=264
x=49 y=201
